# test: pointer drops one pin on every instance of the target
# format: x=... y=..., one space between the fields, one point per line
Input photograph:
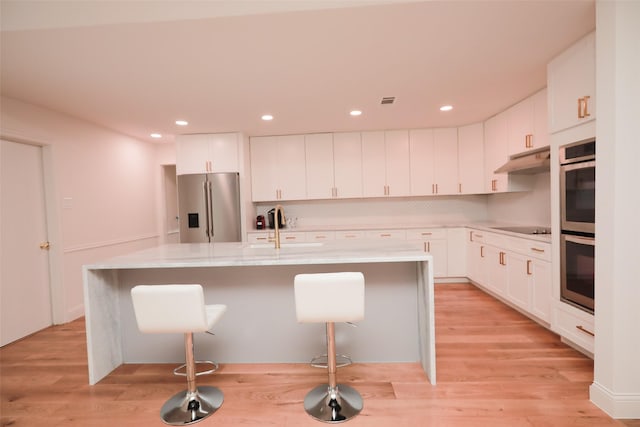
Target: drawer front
x=475 y=236
x=495 y=239
x=320 y=236
x=293 y=236
x=530 y=248
x=426 y=234
x=262 y=237
x=576 y=328
x=349 y=235
x=386 y=234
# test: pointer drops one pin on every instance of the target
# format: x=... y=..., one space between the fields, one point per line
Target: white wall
x=385 y=212
x=616 y=385
x=527 y=208
x=103 y=193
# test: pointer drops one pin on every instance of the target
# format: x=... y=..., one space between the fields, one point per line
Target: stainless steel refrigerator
x=209 y=207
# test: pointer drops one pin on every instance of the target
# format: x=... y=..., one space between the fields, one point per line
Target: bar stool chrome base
x=333 y=406
x=186 y=407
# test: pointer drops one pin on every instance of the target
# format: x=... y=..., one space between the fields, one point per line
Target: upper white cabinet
x=527 y=124
x=206 y=153
x=385 y=163
x=347 y=164
x=571 y=84
x=278 y=170
x=471 y=159
x=319 y=165
x=421 y=161
x=445 y=161
x=496 y=133
x=433 y=161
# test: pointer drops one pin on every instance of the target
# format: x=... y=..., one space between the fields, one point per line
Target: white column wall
x=616 y=386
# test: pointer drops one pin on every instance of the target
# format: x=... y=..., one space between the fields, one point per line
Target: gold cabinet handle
x=460 y=188
x=471 y=236
x=541 y=251
x=586 y=106
x=481 y=251
x=385 y=235
x=350 y=236
x=45 y=245
x=580 y=116
x=290 y=238
x=261 y=238
x=586 y=331
x=426 y=234
x=528 y=267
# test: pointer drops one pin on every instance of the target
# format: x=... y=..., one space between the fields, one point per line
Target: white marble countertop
x=245 y=254
x=485 y=226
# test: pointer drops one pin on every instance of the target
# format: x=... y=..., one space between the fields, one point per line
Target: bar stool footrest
x=322 y=361
x=178 y=371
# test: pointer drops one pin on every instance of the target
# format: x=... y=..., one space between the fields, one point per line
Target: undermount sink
x=285 y=245
x=525 y=229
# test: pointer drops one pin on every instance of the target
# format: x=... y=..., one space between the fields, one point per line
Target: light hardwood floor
x=495 y=368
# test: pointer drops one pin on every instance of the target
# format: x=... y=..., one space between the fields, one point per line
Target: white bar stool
x=181 y=309
x=329 y=298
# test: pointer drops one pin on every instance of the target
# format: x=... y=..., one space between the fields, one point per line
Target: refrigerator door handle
x=210 y=209
x=206 y=207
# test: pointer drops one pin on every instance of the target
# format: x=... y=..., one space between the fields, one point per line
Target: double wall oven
x=577 y=218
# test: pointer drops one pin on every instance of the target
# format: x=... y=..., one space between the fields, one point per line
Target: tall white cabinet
x=572 y=85
x=278 y=170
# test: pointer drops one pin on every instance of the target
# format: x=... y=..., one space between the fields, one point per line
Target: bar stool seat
x=181 y=309
x=329 y=298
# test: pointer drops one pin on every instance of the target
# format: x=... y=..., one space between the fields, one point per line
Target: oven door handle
x=580 y=239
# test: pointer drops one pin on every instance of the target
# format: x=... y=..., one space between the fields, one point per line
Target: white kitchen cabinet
x=496 y=133
x=574 y=325
x=520 y=126
x=350 y=235
x=393 y=234
x=445 y=161
x=278 y=170
x=347 y=164
x=571 y=85
x=476 y=261
x=497 y=272
x=540 y=120
x=421 y=161
x=319 y=166
x=456 y=252
x=433 y=161
x=471 y=159
x=496 y=154
x=385 y=163
x=434 y=242
x=527 y=124
x=320 y=236
x=207 y=153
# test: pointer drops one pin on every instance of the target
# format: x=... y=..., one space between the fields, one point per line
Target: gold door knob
x=44 y=245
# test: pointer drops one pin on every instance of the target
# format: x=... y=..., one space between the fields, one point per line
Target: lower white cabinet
x=434 y=242
x=574 y=325
x=516 y=269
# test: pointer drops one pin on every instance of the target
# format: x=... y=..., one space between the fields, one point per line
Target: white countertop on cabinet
x=243 y=254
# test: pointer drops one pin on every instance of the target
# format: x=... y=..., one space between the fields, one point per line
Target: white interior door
x=25 y=294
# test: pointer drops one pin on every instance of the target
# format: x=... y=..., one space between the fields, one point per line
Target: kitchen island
x=256 y=284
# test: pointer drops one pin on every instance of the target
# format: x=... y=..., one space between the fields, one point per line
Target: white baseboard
x=616 y=405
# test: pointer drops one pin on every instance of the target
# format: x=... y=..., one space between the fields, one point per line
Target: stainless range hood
x=534 y=161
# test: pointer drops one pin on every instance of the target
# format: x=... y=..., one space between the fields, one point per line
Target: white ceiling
x=137 y=66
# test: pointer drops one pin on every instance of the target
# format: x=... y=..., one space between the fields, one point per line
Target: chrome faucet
x=279 y=210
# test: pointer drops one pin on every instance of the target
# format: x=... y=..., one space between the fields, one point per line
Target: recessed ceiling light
x=156 y=135
x=267 y=117
x=182 y=122
x=355 y=112
x=446 y=108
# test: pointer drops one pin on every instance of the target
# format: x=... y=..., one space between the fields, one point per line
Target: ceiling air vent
x=388 y=100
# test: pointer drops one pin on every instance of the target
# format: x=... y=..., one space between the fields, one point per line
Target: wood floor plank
x=495 y=368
